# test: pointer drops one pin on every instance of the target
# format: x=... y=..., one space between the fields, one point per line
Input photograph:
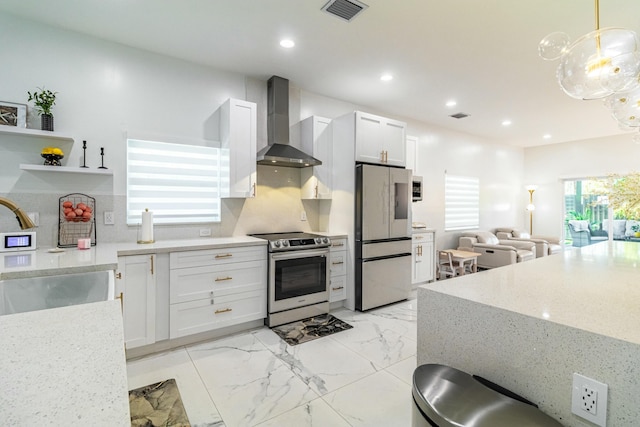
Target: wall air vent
x=459 y=115
x=344 y=9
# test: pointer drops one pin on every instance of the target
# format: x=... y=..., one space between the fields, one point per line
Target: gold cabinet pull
x=338 y=288
x=316 y=192
x=226 y=310
x=337 y=262
x=121 y=298
x=418 y=237
x=382 y=156
x=223 y=256
x=337 y=245
x=222 y=279
x=118 y=275
x=253 y=190
x=151 y=264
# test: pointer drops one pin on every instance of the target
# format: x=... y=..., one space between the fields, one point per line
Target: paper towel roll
x=146 y=234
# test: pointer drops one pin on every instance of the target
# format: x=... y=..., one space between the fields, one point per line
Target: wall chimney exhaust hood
x=279 y=152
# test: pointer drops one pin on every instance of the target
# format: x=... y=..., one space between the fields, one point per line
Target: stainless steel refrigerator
x=383 y=236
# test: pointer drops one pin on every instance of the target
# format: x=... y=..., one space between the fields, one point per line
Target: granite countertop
x=41 y=262
x=69 y=369
x=165 y=246
x=594 y=288
x=104 y=256
x=422 y=230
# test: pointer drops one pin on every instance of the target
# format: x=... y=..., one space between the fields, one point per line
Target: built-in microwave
x=416 y=188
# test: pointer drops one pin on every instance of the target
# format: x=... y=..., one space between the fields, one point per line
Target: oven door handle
x=300 y=254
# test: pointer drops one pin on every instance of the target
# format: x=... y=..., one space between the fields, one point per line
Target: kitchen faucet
x=24 y=221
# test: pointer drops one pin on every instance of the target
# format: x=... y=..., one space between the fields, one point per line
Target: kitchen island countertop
x=64 y=367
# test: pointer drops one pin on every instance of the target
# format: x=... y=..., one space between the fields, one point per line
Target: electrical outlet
x=108 y=218
x=589 y=399
x=205 y=232
x=303 y=216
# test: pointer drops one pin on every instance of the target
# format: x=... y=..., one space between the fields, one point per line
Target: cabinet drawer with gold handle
x=209 y=257
x=188 y=284
x=193 y=317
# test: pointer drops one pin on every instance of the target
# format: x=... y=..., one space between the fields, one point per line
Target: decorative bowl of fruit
x=78 y=212
x=52 y=156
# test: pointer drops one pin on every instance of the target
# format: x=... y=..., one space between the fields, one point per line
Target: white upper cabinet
x=238 y=148
x=316 y=139
x=380 y=140
x=412 y=154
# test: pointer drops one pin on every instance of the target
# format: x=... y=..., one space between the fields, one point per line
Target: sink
x=40 y=293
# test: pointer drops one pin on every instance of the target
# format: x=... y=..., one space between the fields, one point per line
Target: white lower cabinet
x=211 y=289
x=422 y=257
x=338 y=268
x=136 y=280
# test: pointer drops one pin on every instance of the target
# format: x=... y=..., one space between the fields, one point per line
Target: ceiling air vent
x=344 y=9
x=459 y=115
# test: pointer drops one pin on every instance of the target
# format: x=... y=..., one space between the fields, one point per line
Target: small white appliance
x=18 y=241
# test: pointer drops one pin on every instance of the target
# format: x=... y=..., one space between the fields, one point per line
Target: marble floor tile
x=380 y=399
x=378 y=339
x=404 y=369
x=358 y=377
x=312 y=414
x=177 y=364
x=324 y=364
x=248 y=383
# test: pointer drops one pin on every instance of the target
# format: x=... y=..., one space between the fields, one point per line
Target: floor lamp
x=531 y=207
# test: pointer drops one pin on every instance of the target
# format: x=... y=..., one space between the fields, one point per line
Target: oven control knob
x=325 y=240
x=276 y=243
x=317 y=240
x=285 y=243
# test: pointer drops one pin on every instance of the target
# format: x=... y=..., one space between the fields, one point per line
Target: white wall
x=546 y=166
x=106 y=89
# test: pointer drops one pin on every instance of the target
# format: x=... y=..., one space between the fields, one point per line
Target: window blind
x=179 y=183
x=462 y=202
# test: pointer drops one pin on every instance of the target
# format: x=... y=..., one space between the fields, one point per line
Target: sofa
x=545 y=245
x=583 y=235
x=495 y=252
x=622 y=228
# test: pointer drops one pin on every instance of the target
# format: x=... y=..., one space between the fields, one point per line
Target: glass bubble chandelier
x=603 y=64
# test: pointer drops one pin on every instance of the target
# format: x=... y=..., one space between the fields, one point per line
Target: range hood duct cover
x=279 y=152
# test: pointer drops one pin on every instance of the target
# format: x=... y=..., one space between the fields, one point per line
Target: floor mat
x=157 y=404
x=310 y=329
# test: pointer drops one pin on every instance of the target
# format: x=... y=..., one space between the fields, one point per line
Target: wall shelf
x=65 y=169
x=35 y=133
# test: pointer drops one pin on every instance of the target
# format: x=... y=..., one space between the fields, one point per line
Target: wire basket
x=77 y=219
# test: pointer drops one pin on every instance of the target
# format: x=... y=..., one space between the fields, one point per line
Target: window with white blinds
x=461 y=202
x=179 y=183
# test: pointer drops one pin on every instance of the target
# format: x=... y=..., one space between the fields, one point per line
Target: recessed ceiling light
x=506 y=122
x=451 y=103
x=386 y=77
x=287 y=43
x=546 y=136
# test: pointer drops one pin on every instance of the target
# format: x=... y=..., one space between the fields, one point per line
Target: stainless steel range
x=298 y=276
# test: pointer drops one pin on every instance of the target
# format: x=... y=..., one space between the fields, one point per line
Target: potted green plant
x=43 y=100
x=636 y=229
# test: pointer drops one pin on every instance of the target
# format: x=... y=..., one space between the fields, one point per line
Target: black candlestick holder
x=102 y=161
x=84 y=155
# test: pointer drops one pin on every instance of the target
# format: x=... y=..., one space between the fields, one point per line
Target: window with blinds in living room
x=461 y=202
x=179 y=183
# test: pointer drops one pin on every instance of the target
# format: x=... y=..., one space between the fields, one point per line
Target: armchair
x=545 y=245
x=495 y=252
x=583 y=235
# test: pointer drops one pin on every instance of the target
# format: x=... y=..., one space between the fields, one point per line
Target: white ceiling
x=481 y=53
